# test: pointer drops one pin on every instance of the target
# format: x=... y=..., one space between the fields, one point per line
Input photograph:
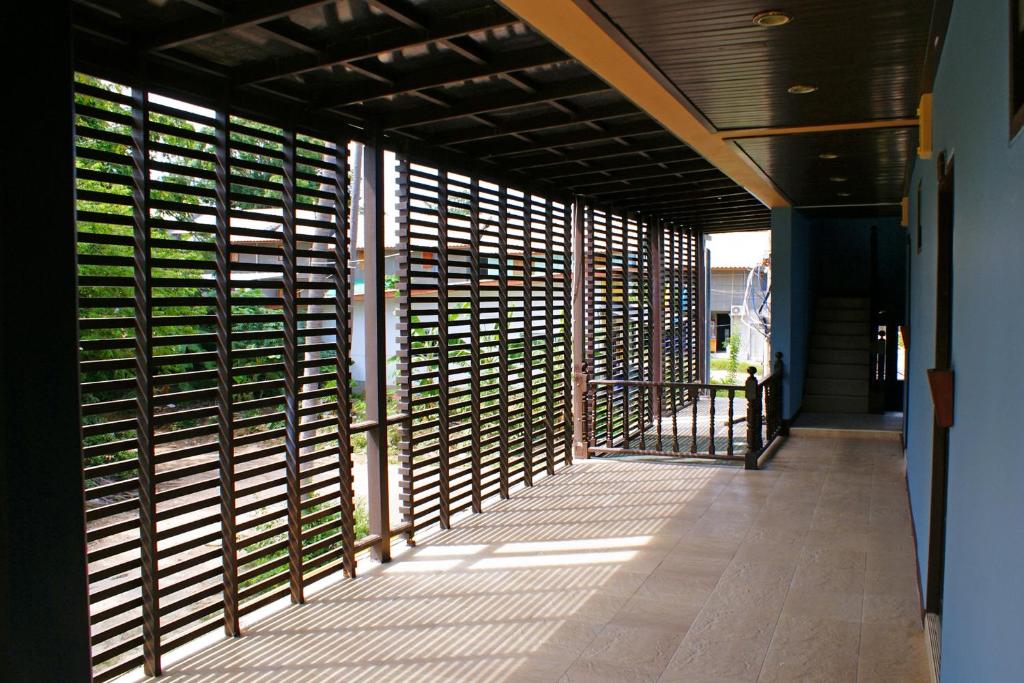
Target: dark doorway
x=723 y=330
x=943 y=361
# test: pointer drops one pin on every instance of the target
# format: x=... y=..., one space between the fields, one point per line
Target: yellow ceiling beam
x=588 y=36
x=740 y=133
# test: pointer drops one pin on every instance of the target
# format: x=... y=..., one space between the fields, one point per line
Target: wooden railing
x=685 y=419
x=767 y=406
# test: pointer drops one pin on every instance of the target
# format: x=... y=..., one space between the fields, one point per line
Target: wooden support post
x=579 y=359
x=292 y=369
x=657 y=325
x=378 y=489
x=225 y=380
x=44 y=618
x=753 y=394
x=143 y=348
x=702 y=282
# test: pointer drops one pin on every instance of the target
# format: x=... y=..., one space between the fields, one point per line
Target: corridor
x=629 y=571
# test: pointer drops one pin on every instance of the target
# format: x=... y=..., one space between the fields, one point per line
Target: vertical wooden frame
x=568 y=278
x=503 y=331
x=580 y=274
x=528 y=312
x=378 y=488
x=443 y=397
x=292 y=372
x=476 y=486
x=342 y=252
x=145 y=436
x=550 y=371
x=405 y=291
x=225 y=382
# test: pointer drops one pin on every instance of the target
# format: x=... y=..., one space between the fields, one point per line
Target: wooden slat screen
x=215 y=316
x=484 y=344
x=618 y=301
x=679 y=284
x=638 y=271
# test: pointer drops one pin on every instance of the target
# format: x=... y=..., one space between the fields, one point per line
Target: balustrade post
x=753 y=394
x=581 y=402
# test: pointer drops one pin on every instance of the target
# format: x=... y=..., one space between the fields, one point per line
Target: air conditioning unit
x=736 y=310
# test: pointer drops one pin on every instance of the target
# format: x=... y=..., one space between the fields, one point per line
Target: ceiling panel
x=872 y=162
x=865 y=57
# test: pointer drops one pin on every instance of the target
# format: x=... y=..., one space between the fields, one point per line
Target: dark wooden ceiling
x=866 y=58
x=869 y=168
x=457 y=82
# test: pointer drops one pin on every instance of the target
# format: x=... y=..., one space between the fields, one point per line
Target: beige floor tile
x=824 y=604
x=893 y=651
x=665 y=614
x=880 y=609
x=666 y=583
x=812 y=649
x=824 y=577
x=899 y=583
x=633 y=653
x=723 y=645
x=768 y=552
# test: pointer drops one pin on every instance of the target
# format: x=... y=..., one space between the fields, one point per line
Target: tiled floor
x=630 y=571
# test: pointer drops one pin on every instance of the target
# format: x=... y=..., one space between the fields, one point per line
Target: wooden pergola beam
x=680 y=200
x=663 y=161
x=644 y=127
x=660 y=189
x=364 y=46
x=538 y=123
x=637 y=180
x=587 y=155
x=640 y=172
x=252 y=13
x=434 y=78
x=502 y=102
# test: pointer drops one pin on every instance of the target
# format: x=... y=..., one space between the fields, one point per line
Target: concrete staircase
x=839 y=357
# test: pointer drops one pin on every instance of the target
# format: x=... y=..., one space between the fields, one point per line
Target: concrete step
x=813 y=403
x=840 y=341
x=844 y=302
x=822 y=386
x=857 y=357
x=859 y=329
x=838 y=370
x=842 y=315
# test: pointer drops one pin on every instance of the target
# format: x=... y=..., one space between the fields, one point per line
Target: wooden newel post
x=580 y=443
x=753 y=395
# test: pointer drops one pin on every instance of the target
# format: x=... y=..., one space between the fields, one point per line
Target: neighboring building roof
x=727 y=259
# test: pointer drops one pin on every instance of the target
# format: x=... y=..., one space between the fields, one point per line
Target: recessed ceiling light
x=802 y=89
x=843 y=194
x=838 y=179
x=772 y=18
x=828 y=155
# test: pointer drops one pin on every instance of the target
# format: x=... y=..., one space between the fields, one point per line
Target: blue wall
x=792 y=298
x=982 y=628
x=841 y=258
